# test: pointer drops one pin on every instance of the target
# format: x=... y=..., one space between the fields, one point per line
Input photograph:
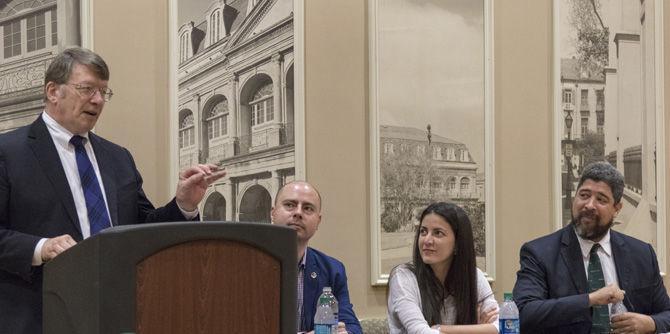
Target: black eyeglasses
x=89 y=91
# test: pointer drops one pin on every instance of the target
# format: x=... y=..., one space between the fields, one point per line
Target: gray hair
x=602 y=171
x=61 y=67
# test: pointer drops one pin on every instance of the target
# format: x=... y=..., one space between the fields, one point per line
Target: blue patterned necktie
x=601 y=315
x=95 y=203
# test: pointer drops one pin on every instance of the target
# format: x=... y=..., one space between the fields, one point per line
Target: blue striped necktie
x=95 y=203
x=601 y=315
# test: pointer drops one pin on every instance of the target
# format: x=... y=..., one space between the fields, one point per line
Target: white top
x=404 y=303
x=605 y=255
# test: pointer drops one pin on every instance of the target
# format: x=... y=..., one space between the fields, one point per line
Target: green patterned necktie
x=601 y=316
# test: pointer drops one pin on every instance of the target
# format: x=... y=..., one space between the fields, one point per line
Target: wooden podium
x=189 y=277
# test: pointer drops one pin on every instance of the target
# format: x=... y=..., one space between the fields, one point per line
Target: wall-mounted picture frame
x=33 y=33
x=431 y=122
x=237 y=79
x=609 y=106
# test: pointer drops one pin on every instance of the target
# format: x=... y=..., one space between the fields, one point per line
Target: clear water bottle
x=326 y=317
x=509 y=316
x=617 y=308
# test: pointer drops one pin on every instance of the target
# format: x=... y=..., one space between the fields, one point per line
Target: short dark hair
x=602 y=171
x=60 y=69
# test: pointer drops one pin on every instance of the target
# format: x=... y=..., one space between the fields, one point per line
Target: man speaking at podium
x=60 y=184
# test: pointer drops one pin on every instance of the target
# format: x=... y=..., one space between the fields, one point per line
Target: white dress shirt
x=61 y=139
x=605 y=255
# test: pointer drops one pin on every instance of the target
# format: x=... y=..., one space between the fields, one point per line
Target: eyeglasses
x=89 y=92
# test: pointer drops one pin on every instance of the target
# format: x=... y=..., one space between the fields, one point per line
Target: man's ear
x=52 y=91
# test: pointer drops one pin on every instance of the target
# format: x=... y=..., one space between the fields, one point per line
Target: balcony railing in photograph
x=632 y=166
x=267 y=138
x=611 y=158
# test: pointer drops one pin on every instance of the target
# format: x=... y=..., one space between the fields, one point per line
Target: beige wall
x=523 y=113
x=132 y=36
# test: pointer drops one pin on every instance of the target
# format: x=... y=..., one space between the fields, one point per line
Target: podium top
x=95 y=281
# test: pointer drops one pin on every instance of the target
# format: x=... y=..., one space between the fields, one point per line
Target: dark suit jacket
x=551 y=289
x=36 y=202
x=322 y=270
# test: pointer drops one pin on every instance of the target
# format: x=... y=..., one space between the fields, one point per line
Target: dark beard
x=597 y=232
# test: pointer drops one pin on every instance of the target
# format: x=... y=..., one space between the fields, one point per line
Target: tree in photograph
x=590 y=148
x=404 y=176
x=592 y=35
x=476 y=211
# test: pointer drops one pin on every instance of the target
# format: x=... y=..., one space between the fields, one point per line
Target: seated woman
x=441 y=290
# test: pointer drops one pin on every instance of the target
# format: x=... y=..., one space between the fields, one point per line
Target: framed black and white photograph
x=238 y=100
x=431 y=122
x=33 y=33
x=608 y=105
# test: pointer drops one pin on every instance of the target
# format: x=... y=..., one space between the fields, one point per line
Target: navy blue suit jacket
x=36 y=202
x=322 y=270
x=551 y=290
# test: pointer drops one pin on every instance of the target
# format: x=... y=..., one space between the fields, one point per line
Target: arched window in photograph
x=452 y=183
x=465 y=183
x=437 y=153
x=187 y=132
x=420 y=150
x=451 y=155
x=388 y=148
x=262 y=105
x=436 y=184
x=217 y=120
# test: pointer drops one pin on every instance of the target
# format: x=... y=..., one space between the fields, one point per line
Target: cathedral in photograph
x=235 y=103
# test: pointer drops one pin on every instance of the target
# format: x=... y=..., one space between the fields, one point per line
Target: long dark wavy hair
x=461 y=281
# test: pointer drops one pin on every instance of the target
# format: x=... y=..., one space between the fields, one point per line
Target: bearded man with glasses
x=60 y=184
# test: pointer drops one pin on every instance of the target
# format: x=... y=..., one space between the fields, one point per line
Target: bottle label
x=509 y=326
x=323 y=329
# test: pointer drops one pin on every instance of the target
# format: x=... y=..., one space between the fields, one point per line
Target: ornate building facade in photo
x=613 y=75
x=33 y=32
x=630 y=97
x=235 y=103
x=420 y=167
x=583 y=107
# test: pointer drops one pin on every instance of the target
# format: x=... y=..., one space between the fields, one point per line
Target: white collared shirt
x=61 y=139
x=605 y=255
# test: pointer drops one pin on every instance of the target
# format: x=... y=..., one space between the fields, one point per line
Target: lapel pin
x=313 y=275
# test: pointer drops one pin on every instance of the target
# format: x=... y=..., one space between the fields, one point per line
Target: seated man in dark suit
x=298 y=205
x=570 y=279
x=60 y=183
